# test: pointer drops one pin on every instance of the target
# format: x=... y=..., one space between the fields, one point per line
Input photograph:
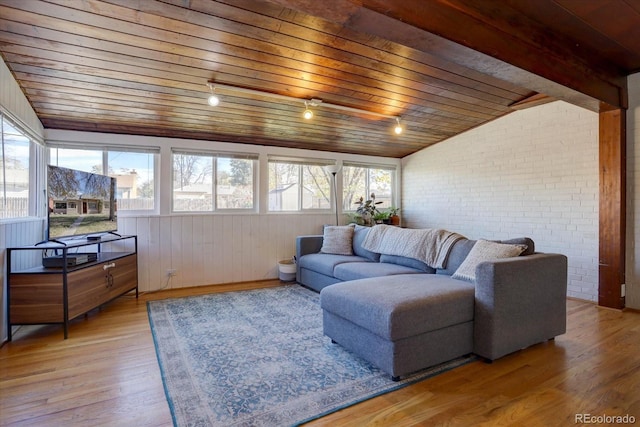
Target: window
x=298 y=185
x=14 y=171
x=362 y=181
x=205 y=182
x=134 y=174
x=72 y=158
x=133 y=168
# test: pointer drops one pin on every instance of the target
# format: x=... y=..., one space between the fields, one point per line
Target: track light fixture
x=398 y=129
x=307 y=114
x=213 y=100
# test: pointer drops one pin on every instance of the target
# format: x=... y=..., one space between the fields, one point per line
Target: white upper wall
x=15 y=104
x=531 y=173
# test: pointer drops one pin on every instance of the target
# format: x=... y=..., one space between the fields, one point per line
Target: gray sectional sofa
x=403 y=315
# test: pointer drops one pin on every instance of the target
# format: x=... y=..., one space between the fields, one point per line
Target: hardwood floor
x=106 y=374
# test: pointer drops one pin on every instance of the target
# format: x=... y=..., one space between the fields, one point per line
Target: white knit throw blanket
x=428 y=245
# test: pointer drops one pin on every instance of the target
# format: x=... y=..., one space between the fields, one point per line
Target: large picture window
x=14 y=171
x=298 y=185
x=206 y=182
x=361 y=181
x=133 y=168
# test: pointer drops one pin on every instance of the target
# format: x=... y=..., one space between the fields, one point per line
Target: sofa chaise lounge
x=403 y=315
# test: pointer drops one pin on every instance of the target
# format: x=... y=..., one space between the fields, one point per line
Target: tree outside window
x=234 y=183
x=192 y=183
x=298 y=186
x=208 y=182
x=361 y=181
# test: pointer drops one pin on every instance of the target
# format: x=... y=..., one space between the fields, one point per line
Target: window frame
x=215 y=155
x=301 y=162
x=35 y=154
x=370 y=166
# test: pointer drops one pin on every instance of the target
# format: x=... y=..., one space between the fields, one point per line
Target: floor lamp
x=333 y=170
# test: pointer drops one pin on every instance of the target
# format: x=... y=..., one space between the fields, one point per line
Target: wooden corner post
x=611 y=270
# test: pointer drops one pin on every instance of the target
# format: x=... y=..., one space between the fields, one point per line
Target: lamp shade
x=332 y=169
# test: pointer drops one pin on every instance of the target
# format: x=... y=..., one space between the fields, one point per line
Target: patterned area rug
x=259 y=358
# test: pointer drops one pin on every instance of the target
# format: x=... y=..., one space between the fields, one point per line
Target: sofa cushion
x=326 y=263
x=457 y=255
x=396 y=307
x=338 y=240
x=314 y=280
x=362 y=270
x=485 y=250
x=359 y=234
x=407 y=262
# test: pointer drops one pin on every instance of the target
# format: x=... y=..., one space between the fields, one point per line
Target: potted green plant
x=394 y=218
x=367 y=209
x=381 y=217
x=355 y=218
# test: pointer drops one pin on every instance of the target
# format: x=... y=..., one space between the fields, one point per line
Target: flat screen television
x=80 y=203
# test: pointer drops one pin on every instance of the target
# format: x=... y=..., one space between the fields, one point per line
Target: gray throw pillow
x=338 y=240
x=485 y=250
x=359 y=234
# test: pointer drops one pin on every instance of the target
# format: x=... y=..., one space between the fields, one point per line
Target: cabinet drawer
x=36 y=298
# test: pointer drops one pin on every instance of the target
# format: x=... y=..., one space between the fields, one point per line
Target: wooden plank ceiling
x=142 y=67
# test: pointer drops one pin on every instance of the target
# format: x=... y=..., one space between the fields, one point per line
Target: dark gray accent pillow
x=457 y=254
x=359 y=234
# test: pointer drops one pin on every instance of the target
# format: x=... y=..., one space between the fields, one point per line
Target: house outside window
x=207 y=182
x=14 y=171
x=298 y=185
x=360 y=181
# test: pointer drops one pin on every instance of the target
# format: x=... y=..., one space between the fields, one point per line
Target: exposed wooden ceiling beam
x=532 y=101
x=489 y=37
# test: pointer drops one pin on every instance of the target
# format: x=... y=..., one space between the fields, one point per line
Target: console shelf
x=45 y=295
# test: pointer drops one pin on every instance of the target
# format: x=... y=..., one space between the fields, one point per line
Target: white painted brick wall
x=532 y=173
